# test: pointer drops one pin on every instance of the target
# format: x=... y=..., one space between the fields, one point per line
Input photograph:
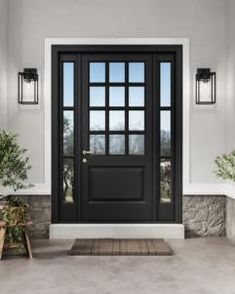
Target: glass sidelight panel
x=116 y=72
x=136 y=120
x=136 y=144
x=136 y=96
x=165 y=185
x=97 y=120
x=165 y=133
x=68 y=180
x=165 y=83
x=116 y=120
x=136 y=72
x=97 y=144
x=68 y=132
x=68 y=83
x=97 y=96
x=116 y=144
x=116 y=96
x=97 y=72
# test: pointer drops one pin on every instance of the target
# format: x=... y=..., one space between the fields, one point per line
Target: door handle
x=86 y=152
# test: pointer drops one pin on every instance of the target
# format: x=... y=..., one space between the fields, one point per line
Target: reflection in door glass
x=136 y=144
x=136 y=72
x=97 y=120
x=136 y=96
x=97 y=72
x=116 y=144
x=68 y=133
x=165 y=185
x=68 y=83
x=116 y=96
x=136 y=120
x=116 y=120
x=165 y=133
x=165 y=83
x=68 y=180
x=97 y=96
x=97 y=144
x=116 y=72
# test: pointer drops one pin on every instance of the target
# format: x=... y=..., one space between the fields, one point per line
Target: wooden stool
x=26 y=242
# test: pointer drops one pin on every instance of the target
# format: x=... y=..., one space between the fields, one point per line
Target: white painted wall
x=204 y=22
x=230 y=17
x=3 y=63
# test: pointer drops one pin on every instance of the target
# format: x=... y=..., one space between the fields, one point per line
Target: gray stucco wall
x=203 y=216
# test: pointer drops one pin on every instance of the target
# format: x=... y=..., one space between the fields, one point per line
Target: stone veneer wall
x=202 y=215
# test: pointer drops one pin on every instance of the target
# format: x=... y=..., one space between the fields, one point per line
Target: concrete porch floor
x=202 y=265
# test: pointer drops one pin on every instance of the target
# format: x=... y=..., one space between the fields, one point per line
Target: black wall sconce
x=205 y=86
x=28 y=86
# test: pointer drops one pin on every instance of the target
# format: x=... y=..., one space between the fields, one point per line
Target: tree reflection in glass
x=68 y=180
x=165 y=180
x=68 y=133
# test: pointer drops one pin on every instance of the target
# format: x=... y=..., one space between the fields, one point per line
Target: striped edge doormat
x=120 y=247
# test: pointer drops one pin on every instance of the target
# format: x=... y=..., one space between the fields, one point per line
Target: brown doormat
x=120 y=247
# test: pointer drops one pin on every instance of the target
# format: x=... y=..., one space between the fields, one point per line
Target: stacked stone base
x=202 y=215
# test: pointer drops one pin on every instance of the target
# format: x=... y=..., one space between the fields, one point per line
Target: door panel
x=117 y=131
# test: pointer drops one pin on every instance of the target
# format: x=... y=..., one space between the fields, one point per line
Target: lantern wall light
x=28 y=86
x=205 y=86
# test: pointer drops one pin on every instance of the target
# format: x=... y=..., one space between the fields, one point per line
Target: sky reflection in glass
x=68 y=83
x=165 y=83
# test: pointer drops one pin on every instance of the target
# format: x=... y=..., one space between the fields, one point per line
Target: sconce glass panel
x=28 y=86
x=205 y=86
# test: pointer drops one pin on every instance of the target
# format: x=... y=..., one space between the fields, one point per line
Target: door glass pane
x=116 y=72
x=165 y=133
x=97 y=96
x=97 y=144
x=165 y=185
x=165 y=83
x=68 y=132
x=136 y=120
x=116 y=120
x=97 y=72
x=116 y=144
x=136 y=72
x=97 y=120
x=136 y=96
x=116 y=96
x=68 y=83
x=68 y=180
x=136 y=144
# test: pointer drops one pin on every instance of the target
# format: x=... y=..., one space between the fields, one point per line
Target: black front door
x=116 y=134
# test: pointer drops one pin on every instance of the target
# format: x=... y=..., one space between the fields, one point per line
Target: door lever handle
x=86 y=152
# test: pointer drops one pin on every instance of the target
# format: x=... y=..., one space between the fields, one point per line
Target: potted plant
x=14 y=167
x=226 y=166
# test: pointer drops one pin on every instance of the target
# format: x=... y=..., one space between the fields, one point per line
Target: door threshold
x=73 y=231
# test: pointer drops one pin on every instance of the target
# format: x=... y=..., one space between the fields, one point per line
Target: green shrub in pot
x=14 y=167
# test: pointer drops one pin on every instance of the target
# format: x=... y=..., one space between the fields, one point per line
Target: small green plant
x=14 y=165
x=226 y=166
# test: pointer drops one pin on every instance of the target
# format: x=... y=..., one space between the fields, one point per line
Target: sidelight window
x=165 y=132
x=68 y=132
